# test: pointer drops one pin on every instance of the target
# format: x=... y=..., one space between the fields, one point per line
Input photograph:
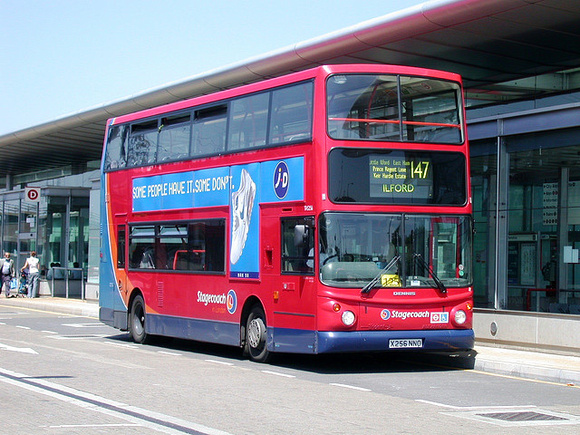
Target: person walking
x=7 y=270
x=33 y=274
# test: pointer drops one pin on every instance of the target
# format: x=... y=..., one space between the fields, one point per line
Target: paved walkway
x=529 y=364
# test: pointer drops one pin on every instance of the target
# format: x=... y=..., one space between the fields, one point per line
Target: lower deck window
x=195 y=246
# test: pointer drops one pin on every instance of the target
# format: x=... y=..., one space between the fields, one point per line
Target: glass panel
x=28 y=229
x=249 y=122
x=10 y=240
x=298 y=245
x=397 y=177
x=174 y=135
x=357 y=248
x=367 y=106
x=209 y=131
x=42 y=233
x=291 y=115
x=483 y=182
x=79 y=234
x=116 y=155
x=430 y=110
x=142 y=144
x=56 y=230
x=196 y=246
x=363 y=106
x=121 y=244
x=142 y=253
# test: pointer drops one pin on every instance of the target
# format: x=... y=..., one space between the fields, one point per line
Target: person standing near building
x=33 y=274
x=7 y=269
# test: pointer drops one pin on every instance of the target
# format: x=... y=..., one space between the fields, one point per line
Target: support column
x=501 y=224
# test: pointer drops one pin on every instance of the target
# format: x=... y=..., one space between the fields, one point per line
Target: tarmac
x=505 y=361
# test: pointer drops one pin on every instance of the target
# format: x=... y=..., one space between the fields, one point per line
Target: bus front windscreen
x=394 y=108
x=395 y=250
x=397 y=177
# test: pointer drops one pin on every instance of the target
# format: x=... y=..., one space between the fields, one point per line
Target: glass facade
x=56 y=226
x=526 y=198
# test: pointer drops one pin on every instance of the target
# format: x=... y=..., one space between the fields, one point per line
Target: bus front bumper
x=368 y=341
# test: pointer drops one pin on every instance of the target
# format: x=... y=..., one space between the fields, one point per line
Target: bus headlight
x=348 y=318
x=460 y=317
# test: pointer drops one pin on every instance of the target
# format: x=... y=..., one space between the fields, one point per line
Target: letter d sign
x=32 y=194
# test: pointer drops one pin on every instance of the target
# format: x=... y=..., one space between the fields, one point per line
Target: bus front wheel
x=256 y=333
x=137 y=320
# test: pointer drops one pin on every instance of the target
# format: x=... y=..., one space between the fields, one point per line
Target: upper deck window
x=394 y=108
x=142 y=144
x=116 y=155
x=174 y=133
x=274 y=117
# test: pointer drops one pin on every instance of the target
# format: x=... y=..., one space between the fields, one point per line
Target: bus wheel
x=137 y=320
x=256 y=336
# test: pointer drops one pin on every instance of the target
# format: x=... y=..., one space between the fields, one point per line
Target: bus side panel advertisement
x=245 y=221
x=242 y=187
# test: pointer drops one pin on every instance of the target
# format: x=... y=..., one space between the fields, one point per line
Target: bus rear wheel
x=256 y=333
x=137 y=320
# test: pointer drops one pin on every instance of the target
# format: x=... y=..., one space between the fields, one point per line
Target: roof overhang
x=504 y=49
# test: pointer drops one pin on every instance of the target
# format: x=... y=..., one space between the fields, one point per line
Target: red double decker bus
x=324 y=211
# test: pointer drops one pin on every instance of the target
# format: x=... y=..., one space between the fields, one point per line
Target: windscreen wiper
x=419 y=259
x=367 y=288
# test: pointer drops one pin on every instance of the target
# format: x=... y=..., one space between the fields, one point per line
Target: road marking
x=83 y=325
x=351 y=387
x=69 y=426
x=474 y=408
x=49 y=332
x=164 y=352
x=127 y=345
x=18 y=349
x=139 y=416
x=77 y=337
x=219 y=362
x=22 y=327
x=284 y=375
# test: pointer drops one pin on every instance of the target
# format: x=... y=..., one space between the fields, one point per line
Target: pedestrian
x=7 y=268
x=33 y=274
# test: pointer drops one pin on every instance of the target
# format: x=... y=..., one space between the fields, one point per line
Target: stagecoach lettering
x=206 y=298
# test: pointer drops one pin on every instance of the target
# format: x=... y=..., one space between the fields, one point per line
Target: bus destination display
x=400 y=176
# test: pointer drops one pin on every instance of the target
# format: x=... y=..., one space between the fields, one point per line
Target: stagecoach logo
x=232 y=302
x=385 y=314
x=281 y=180
x=404 y=315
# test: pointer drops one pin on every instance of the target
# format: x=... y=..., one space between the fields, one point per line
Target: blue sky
x=63 y=56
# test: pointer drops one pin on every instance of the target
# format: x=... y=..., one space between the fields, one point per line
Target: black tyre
x=137 y=320
x=256 y=336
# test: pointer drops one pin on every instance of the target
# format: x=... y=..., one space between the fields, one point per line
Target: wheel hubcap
x=255 y=333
